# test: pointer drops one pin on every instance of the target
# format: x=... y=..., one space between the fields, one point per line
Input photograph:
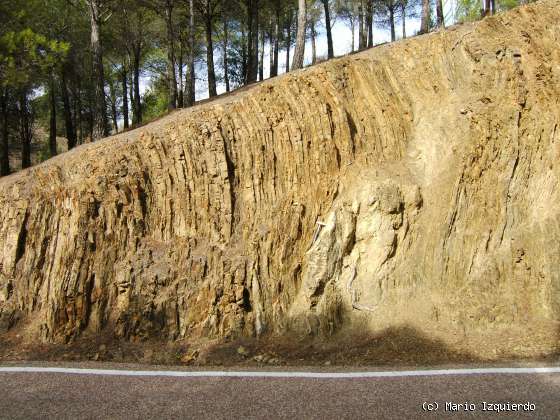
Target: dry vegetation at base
x=431 y=165
x=396 y=346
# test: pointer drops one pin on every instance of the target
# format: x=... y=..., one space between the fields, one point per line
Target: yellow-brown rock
x=415 y=183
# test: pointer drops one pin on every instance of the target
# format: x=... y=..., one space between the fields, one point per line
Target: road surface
x=71 y=394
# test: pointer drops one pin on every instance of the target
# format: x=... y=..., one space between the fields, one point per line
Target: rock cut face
x=415 y=183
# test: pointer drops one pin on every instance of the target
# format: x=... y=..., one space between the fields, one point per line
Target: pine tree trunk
x=113 y=97
x=369 y=23
x=4 y=145
x=271 y=53
x=131 y=97
x=392 y=23
x=313 y=43
x=90 y=120
x=225 y=57
x=210 y=52
x=181 y=90
x=25 y=130
x=137 y=98
x=403 y=13
x=439 y=14
x=252 y=46
x=274 y=68
x=71 y=94
x=171 y=76
x=288 y=41
x=101 y=126
x=361 y=25
x=261 y=56
x=244 y=50
x=255 y=69
x=79 y=112
x=353 y=29
x=52 y=124
x=190 y=60
x=248 y=50
x=425 y=21
x=299 y=51
x=328 y=26
x=114 y=115
x=487 y=8
x=124 y=81
x=68 y=122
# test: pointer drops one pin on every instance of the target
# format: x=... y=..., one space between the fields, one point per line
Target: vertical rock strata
x=413 y=183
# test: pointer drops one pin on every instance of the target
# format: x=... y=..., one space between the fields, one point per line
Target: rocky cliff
x=412 y=184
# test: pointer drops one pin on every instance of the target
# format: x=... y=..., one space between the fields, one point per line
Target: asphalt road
x=70 y=395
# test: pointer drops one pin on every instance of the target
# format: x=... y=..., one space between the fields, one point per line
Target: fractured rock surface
x=415 y=183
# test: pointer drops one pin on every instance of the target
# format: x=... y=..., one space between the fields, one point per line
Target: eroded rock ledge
x=412 y=184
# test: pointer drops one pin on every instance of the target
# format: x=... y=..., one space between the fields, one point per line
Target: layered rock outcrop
x=415 y=183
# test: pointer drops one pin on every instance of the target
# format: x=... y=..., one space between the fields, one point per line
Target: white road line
x=272 y=374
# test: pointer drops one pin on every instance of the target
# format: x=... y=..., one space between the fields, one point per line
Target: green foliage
x=504 y=5
x=470 y=10
x=155 y=100
x=26 y=55
x=467 y=10
x=235 y=58
x=27 y=51
x=44 y=153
